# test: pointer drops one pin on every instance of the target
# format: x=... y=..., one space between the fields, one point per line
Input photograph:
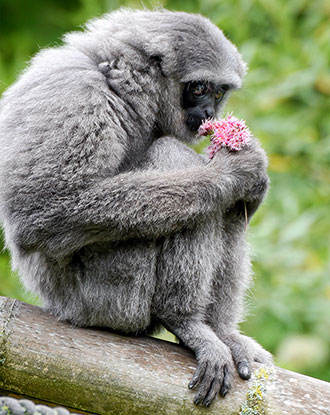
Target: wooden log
x=102 y=372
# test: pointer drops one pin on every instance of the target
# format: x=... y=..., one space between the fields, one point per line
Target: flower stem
x=246 y=217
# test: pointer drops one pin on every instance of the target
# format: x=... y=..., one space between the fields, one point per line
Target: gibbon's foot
x=245 y=351
x=213 y=375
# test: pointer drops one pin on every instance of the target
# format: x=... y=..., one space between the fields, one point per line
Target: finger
x=213 y=391
x=205 y=384
x=202 y=393
x=226 y=382
x=198 y=375
x=243 y=369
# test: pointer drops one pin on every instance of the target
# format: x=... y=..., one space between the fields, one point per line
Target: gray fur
x=109 y=216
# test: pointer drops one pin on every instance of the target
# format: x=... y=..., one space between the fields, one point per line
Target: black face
x=200 y=101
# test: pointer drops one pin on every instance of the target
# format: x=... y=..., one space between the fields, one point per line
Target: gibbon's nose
x=208 y=112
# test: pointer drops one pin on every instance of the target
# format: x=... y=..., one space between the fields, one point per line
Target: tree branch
x=102 y=372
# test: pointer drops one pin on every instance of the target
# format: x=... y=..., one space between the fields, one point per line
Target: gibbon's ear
x=157 y=61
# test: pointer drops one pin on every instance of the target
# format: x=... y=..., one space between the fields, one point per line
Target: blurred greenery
x=285 y=102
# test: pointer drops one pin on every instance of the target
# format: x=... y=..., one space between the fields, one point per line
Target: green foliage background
x=285 y=102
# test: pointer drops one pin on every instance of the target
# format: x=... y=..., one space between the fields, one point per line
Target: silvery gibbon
x=110 y=217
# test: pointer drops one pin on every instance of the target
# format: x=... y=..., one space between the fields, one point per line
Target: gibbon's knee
x=168 y=153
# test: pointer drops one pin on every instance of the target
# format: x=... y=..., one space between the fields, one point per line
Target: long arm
x=145 y=204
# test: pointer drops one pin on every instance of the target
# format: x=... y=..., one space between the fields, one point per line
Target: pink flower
x=229 y=132
x=206 y=128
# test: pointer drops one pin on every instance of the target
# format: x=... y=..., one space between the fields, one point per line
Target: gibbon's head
x=196 y=66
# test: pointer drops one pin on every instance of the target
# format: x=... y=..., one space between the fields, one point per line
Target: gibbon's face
x=200 y=100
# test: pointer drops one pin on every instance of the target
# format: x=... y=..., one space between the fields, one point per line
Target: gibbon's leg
x=225 y=310
x=184 y=271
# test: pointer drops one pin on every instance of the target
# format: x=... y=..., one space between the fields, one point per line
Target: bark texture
x=102 y=372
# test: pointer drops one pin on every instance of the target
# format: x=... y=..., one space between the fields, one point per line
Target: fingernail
x=224 y=391
x=192 y=383
x=244 y=370
x=197 y=401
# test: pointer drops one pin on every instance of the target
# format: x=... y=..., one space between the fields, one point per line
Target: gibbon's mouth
x=193 y=123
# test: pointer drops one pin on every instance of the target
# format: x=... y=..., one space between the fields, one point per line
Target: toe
x=198 y=375
x=243 y=369
x=226 y=383
x=214 y=390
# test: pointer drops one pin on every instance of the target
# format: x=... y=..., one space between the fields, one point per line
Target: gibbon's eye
x=219 y=95
x=199 y=90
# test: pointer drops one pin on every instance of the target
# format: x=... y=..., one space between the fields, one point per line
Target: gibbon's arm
x=144 y=204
